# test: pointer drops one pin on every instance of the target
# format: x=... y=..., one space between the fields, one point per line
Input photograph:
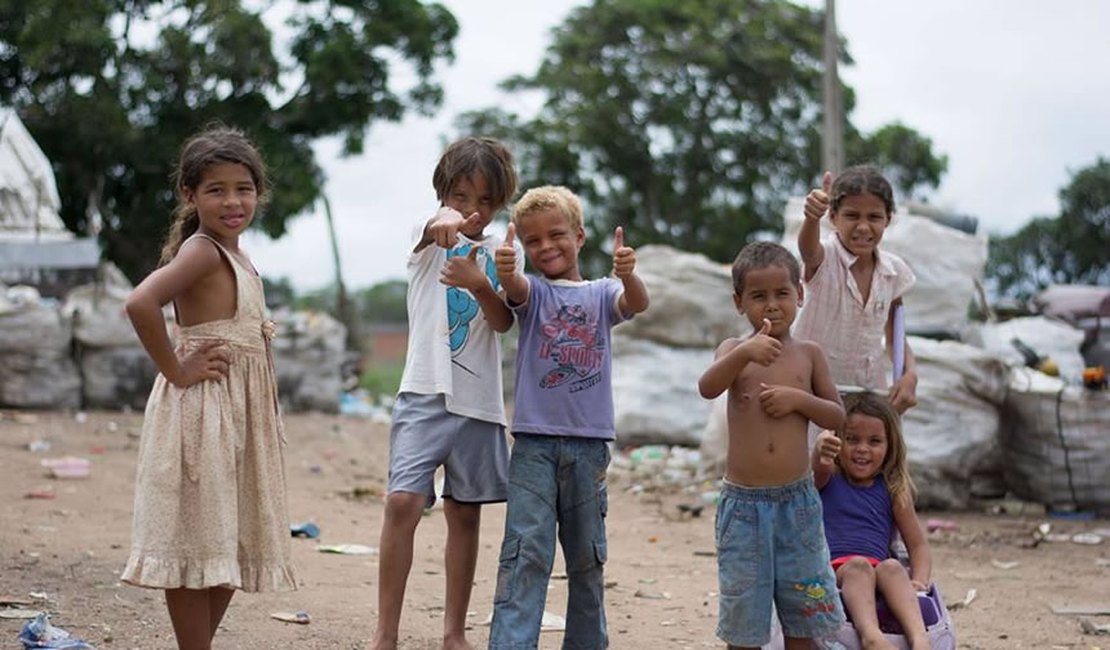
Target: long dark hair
x=213 y=145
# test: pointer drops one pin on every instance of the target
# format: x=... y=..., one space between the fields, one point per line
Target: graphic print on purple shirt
x=573 y=343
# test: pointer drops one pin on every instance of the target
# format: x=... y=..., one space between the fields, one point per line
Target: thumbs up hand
x=624 y=257
x=761 y=347
x=505 y=257
x=464 y=271
x=817 y=201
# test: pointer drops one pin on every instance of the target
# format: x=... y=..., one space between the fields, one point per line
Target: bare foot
x=456 y=643
x=383 y=644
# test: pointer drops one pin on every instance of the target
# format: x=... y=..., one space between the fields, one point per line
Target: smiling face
x=864 y=448
x=770 y=293
x=551 y=243
x=225 y=200
x=468 y=195
x=860 y=221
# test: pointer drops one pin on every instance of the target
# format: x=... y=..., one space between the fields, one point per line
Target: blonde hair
x=895 y=469
x=549 y=197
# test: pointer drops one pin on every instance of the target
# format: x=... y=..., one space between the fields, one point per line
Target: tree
x=687 y=123
x=905 y=156
x=111 y=88
x=1068 y=249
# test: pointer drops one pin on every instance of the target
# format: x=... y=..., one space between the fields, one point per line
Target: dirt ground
x=64 y=554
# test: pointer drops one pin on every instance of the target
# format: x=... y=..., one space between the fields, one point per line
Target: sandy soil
x=63 y=554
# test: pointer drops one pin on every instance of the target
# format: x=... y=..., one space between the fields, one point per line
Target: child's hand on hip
x=624 y=257
x=209 y=362
x=817 y=201
x=761 y=347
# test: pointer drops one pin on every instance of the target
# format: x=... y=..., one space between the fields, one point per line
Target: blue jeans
x=553 y=480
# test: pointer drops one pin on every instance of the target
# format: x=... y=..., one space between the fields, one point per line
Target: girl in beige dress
x=210 y=513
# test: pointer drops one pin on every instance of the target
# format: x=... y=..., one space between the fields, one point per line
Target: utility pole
x=343 y=305
x=832 y=136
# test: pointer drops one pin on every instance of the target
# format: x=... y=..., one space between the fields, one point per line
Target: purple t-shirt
x=564 y=361
x=858 y=520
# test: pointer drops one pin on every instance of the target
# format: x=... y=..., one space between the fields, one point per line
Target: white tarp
x=29 y=200
x=946 y=261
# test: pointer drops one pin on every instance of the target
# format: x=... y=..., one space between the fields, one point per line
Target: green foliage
x=905 y=156
x=1068 y=249
x=111 y=89
x=687 y=123
x=383 y=303
x=382 y=379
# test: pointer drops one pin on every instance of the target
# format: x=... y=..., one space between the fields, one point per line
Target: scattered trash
x=347 y=549
x=67 y=467
x=1086 y=538
x=692 y=509
x=38 y=445
x=300 y=618
x=1004 y=565
x=9 y=601
x=1102 y=561
x=39 y=493
x=361 y=492
x=39 y=633
x=1081 y=610
x=966 y=602
x=705 y=553
x=1090 y=627
x=307 y=529
x=652 y=595
x=941 y=524
x=19 y=613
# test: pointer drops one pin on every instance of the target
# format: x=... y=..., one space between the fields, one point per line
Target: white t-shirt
x=452 y=349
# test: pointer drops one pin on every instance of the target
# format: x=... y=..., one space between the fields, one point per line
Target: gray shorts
x=474 y=453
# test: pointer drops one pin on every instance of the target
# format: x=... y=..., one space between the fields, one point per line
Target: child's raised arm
x=733 y=355
x=809 y=237
x=635 y=297
x=443 y=228
x=144 y=307
x=921 y=556
x=508 y=272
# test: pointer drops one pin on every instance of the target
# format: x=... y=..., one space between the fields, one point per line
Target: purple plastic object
x=898 y=355
x=938 y=625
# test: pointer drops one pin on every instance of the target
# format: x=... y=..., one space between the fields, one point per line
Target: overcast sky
x=1015 y=92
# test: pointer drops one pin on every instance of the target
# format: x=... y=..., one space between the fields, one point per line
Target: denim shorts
x=771 y=547
x=424 y=435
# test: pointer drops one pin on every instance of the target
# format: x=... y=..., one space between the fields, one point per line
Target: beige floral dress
x=210 y=488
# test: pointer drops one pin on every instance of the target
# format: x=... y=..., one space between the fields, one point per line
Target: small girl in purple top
x=866 y=493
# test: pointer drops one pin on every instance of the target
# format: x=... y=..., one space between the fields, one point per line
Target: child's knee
x=857 y=566
x=404 y=508
x=890 y=568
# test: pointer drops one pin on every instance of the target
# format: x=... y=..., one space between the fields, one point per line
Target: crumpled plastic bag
x=39 y=633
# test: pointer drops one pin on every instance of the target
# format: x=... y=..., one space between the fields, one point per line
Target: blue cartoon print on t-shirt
x=572 y=343
x=461 y=306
